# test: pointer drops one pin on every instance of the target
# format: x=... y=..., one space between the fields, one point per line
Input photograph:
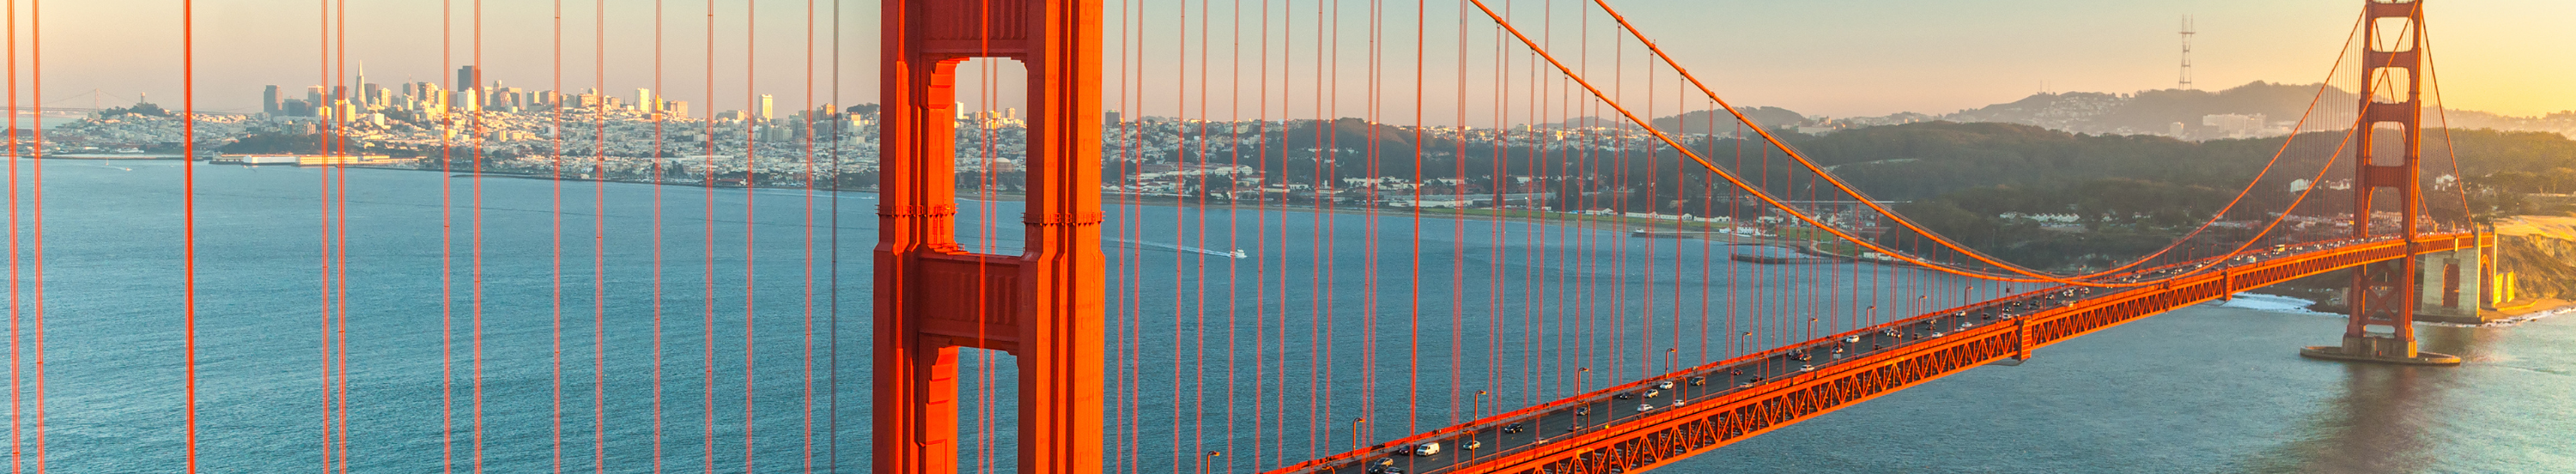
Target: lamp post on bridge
x=1811 y=327
x=1744 y=345
x=1203 y=460
x=1579 y=376
x=1475 y=411
x=1355 y=432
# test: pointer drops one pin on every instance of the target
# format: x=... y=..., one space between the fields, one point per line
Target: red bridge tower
x=932 y=297
x=2384 y=294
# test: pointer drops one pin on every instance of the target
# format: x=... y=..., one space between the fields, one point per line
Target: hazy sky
x=1828 y=57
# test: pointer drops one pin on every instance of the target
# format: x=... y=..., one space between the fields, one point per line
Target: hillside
x=2133 y=193
x=2154 y=112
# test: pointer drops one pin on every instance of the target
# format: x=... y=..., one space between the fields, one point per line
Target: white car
x=1426 y=449
x=1644 y=407
x=1667 y=385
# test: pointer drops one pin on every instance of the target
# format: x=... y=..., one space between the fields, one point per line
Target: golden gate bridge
x=1042 y=305
x=1341 y=334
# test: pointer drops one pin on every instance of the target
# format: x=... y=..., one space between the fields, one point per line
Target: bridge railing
x=2037 y=328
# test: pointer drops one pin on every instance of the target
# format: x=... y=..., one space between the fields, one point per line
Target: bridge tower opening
x=933 y=297
x=2384 y=294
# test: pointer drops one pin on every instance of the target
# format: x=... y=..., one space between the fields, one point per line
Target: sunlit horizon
x=1842 y=59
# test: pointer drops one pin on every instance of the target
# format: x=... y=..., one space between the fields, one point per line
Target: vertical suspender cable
x=1413 y=312
x=1260 y=227
x=17 y=404
x=446 y=254
x=475 y=116
x=340 y=249
x=808 y=122
x=707 y=327
x=661 y=115
x=322 y=193
x=750 y=183
x=188 y=220
x=841 y=126
x=1233 y=220
x=1180 y=221
x=554 y=157
x=17 y=389
x=36 y=218
x=599 y=239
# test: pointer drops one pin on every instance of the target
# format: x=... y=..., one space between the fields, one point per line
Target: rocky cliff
x=2539 y=252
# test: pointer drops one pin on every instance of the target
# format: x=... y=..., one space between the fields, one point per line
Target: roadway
x=1607 y=408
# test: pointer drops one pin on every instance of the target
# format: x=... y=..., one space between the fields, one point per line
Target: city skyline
x=2010 y=48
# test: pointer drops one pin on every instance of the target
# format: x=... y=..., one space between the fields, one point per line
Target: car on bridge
x=1425 y=449
x=1385 y=466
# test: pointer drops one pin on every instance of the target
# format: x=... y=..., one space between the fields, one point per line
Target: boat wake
x=1236 y=253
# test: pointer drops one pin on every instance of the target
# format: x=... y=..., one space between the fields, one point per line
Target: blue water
x=2199 y=390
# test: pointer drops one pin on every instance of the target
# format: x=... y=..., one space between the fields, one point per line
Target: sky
x=1819 y=57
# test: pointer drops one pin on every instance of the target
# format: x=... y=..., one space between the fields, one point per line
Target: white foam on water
x=2289 y=305
x=2272 y=303
x=2516 y=320
x=1237 y=253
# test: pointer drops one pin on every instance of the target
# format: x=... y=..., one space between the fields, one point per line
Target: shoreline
x=1502 y=215
x=2296 y=305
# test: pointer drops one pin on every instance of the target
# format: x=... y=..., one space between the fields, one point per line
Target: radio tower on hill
x=2185 y=83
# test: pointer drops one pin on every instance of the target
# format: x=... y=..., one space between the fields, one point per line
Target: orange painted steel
x=931 y=297
x=1654 y=440
x=2384 y=294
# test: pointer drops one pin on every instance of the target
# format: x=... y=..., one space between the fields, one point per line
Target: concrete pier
x=2379 y=350
x=2452 y=288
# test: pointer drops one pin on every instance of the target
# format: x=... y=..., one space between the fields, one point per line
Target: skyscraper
x=765 y=109
x=644 y=99
x=466 y=79
x=268 y=103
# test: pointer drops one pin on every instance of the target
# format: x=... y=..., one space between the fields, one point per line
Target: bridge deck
x=1604 y=432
